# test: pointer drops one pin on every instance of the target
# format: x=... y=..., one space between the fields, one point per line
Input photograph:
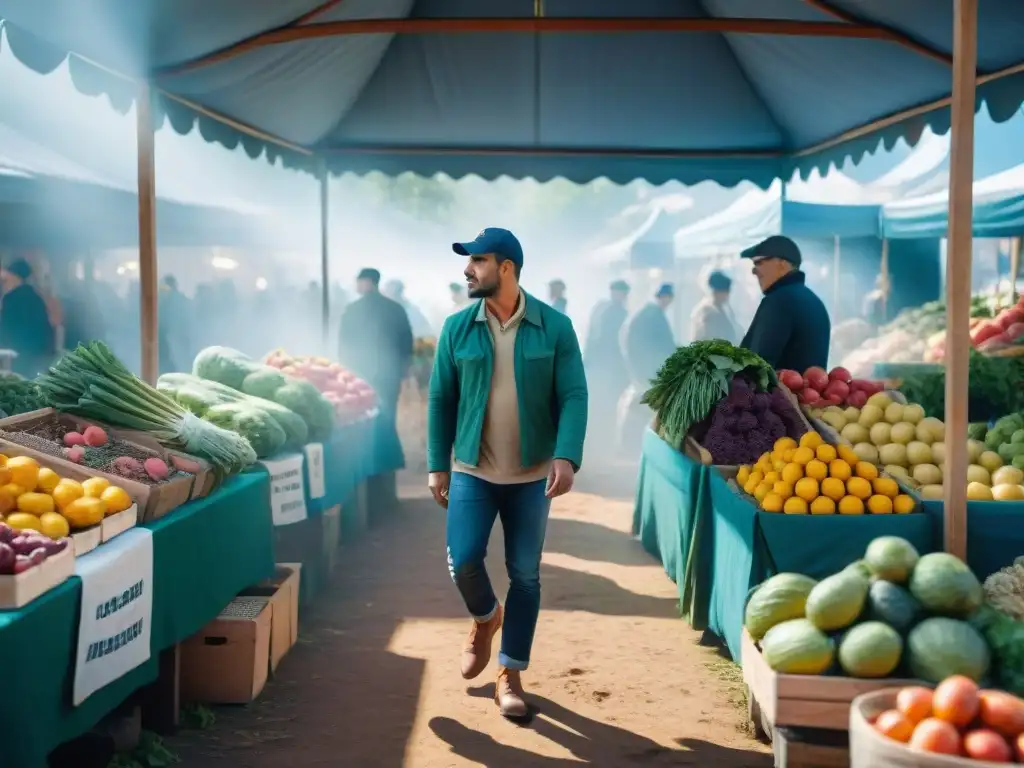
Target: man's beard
x=484 y=290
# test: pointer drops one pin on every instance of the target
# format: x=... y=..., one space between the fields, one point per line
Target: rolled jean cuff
x=489 y=616
x=509 y=663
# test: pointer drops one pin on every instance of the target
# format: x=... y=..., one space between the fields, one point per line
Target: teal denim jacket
x=550 y=381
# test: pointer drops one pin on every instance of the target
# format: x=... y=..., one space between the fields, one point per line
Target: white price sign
x=315 y=470
x=287 y=489
x=117 y=611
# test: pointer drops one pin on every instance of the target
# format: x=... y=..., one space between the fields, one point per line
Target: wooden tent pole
x=325 y=229
x=147 y=235
x=837 y=257
x=958 y=271
x=885 y=280
x=1014 y=267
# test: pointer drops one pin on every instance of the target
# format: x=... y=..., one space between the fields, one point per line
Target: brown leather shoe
x=476 y=654
x=509 y=694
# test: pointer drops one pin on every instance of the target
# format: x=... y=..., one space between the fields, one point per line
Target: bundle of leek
x=91 y=382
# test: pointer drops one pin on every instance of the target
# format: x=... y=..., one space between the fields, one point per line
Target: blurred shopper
x=791 y=328
x=712 y=318
x=177 y=321
x=874 y=309
x=457 y=299
x=647 y=342
x=556 y=296
x=508 y=398
x=607 y=374
x=395 y=290
x=24 y=321
x=375 y=341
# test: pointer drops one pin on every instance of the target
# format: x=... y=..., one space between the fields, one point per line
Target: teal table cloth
x=204 y=554
x=995 y=533
x=349 y=459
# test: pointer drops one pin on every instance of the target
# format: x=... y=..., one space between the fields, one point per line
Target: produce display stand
x=995 y=532
x=716 y=545
x=204 y=553
x=805 y=716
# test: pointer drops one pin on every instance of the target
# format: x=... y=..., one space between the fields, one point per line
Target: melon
x=837 y=601
x=797 y=647
x=779 y=599
x=871 y=649
x=938 y=648
x=893 y=605
x=861 y=568
x=891 y=558
x=944 y=584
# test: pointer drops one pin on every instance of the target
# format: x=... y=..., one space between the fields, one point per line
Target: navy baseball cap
x=776 y=247
x=494 y=240
x=665 y=289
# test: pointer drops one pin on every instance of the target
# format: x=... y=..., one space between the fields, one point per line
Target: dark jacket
x=648 y=342
x=791 y=328
x=25 y=328
x=602 y=350
x=375 y=341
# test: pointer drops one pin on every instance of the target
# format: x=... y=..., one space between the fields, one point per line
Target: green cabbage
x=256 y=426
x=306 y=400
x=224 y=365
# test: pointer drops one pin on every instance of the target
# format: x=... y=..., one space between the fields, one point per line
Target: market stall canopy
x=692 y=90
x=650 y=246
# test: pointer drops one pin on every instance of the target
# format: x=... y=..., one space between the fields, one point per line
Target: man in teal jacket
x=506 y=418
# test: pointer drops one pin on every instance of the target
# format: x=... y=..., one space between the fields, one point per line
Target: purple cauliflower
x=746 y=422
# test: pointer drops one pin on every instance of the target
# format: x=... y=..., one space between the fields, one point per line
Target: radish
x=73 y=438
x=94 y=436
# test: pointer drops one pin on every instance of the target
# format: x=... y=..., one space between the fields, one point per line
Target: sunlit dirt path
x=617 y=679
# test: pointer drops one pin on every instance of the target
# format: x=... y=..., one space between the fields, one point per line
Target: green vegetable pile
x=994 y=388
x=1005 y=636
x=697 y=376
x=269 y=427
x=240 y=372
x=18 y=395
x=930 y=318
x=91 y=382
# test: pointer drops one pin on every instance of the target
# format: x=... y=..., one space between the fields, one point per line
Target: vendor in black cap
x=607 y=376
x=712 y=318
x=791 y=328
x=24 y=322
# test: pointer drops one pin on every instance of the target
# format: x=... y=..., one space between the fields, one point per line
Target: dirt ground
x=617 y=679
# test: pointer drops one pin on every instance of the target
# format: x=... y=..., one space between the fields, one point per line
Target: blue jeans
x=523 y=508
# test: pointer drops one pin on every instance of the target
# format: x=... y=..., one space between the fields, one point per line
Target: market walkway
x=618 y=678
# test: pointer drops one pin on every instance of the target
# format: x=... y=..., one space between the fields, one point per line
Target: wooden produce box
x=22 y=588
x=282 y=592
x=26 y=435
x=798 y=712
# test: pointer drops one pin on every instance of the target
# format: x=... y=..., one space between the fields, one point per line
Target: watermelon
x=837 y=601
x=870 y=650
x=945 y=585
x=893 y=605
x=939 y=647
x=891 y=558
x=779 y=599
x=797 y=647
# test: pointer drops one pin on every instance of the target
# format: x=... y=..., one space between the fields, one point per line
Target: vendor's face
x=664 y=301
x=720 y=297
x=10 y=280
x=620 y=297
x=364 y=287
x=768 y=269
x=484 y=275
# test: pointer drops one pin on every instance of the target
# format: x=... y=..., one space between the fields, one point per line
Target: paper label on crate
x=315 y=470
x=287 y=489
x=117 y=611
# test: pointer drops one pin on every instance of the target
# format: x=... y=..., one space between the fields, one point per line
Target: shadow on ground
x=589 y=741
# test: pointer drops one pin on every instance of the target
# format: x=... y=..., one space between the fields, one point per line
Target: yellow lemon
x=825 y=452
x=792 y=472
x=23 y=521
x=776 y=456
x=47 y=481
x=903 y=504
x=816 y=469
x=795 y=506
x=771 y=477
x=772 y=502
x=851 y=505
x=66 y=492
x=753 y=480
x=84 y=512
x=24 y=471
x=823 y=506
x=885 y=486
x=880 y=505
x=761 y=491
x=13 y=489
x=7 y=501
x=778 y=466
x=847 y=454
x=806 y=488
x=3 y=460
x=117 y=499
x=54 y=525
x=742 y=475
x=859 y=487
x=840 y=469
x=833 y=488
x=803 y=454
x=95 y=486
x=35 y=503
x=783 y=489
x=866 y=470
x=811 y=440
x=788 y=454
x=784 y=444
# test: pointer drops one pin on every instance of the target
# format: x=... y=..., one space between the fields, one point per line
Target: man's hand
x=560 y=478
x=438 y=483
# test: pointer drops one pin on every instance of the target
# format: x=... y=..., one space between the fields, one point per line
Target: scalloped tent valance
x=712 y=94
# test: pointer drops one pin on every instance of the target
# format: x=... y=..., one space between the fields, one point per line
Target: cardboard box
x=282 y=591
x=227 y=661
x=21 y=589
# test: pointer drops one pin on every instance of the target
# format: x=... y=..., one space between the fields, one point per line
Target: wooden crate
x=805 y=716
x=154 y=500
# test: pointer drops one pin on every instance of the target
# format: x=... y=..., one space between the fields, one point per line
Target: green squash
x=837 y=601
x=891 y=558
x=945 y=585
x=797 y=647
x=870 y=650
x=778 y=599
x=939 y=647
x=893 y=605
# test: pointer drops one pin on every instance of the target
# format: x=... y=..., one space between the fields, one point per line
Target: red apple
x=858 y=398
x=840 y=374
x=791 y=380
x=816 y=378
x=837 y=389
x=809 y=396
